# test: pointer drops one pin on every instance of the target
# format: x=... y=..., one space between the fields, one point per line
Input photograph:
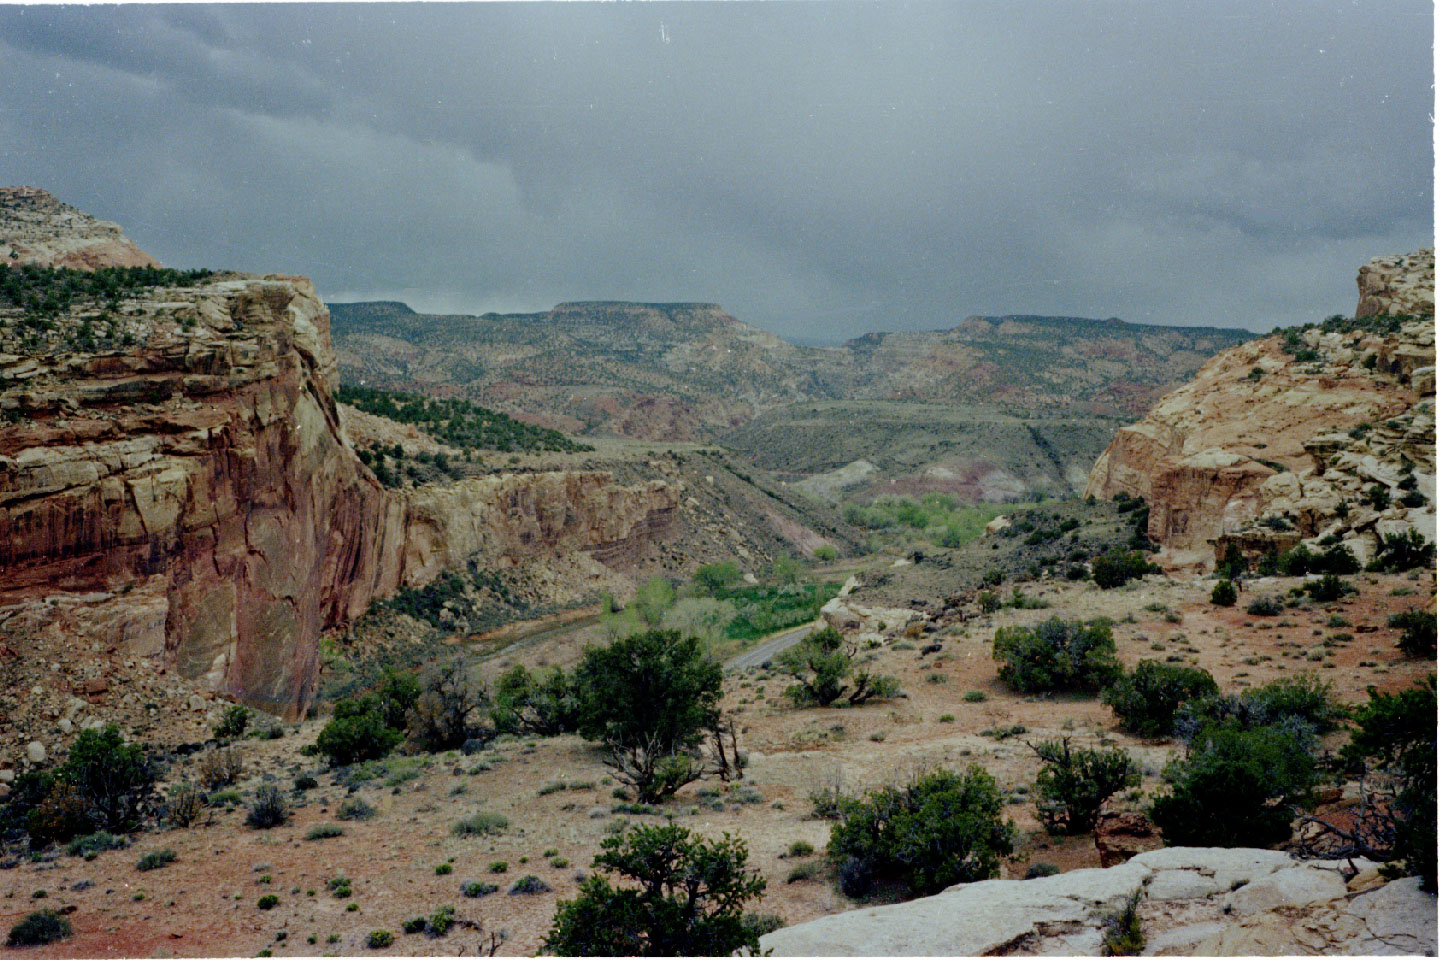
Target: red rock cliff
x=183 y=476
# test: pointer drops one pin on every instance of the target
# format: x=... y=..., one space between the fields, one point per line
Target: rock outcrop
x=40 y=229
x=1270 y=438
x=179 y=482
x=1197 y=902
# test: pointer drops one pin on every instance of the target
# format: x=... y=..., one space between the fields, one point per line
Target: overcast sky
x=820 y=169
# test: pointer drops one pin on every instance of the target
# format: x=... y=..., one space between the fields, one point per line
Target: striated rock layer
x=1287 y=432
x=189 y=477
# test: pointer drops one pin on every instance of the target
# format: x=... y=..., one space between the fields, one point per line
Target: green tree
x=650 y=699
x=653 y=599
x=357 y=731
x=1236 y=787
x=113 y=778
x=940 y=829
x=545 y=704
x=1224 y=594
x=685 y=897
x=824 y=665
x=1117 y=567
x=1397 y=733
x=1073 y=785
x=1057 y=655
x=1147 y=700
x=714 y=578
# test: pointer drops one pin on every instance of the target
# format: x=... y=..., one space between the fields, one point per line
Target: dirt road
x=768 y=649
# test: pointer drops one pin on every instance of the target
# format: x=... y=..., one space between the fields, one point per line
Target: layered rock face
x=1198 y=902
x=1270 y=438
x=40 y=229
x=189 y=477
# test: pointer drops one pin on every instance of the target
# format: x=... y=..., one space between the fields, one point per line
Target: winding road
x=769 y=649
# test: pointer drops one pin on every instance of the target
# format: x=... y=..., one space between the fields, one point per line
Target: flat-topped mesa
x=41 y=230
x=1276 y=441
x=174 y=473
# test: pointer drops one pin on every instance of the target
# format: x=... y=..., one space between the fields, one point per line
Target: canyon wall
x=186 y=482
x=1287 y=428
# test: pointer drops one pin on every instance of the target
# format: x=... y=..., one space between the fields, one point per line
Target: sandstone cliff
x=1197 y=902
x=179 y=482
x=1286 y=429
x=40 y=229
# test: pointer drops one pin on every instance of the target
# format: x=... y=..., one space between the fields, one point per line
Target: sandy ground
x=206 y=902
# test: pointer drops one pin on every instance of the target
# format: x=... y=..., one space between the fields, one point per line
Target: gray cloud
x=820 y=169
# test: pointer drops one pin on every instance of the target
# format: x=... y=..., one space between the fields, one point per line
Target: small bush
x=184 y=805
x=1124 y=936
x=801 y=848
x=498 y=866
x=529 y=884
x=1400 y=552
x=324 y=831
x=1236 y=787
x=444 y=870
x=232 y=722
x=220 y=768
x=93 y=844
x=941 y=829
x=1038 y=870
x=339 y=887
x=475 y=889
x=379 y=939
x=1417 y=638
x=976 y=696
x=805 y=872
x=155 y=859
x=414 y=925
x=1117 y=567
x=480 y=824
x=306 y=783
x=39 y=928
x=1057 y=655
x=268 y=809
x=1147 y=700
x=1073 y=785
x=1325 y=590
x=1264 y=607
x=357 y=732
x=355 y=809
x=1223 y=595
x=267 y=902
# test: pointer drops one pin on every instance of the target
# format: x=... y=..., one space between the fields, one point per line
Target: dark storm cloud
x=820 y=169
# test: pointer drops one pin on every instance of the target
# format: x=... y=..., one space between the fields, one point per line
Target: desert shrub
x=91 y=845
x=220 y=768
x=357 y=731
x=805 y=872
x=39 y=928
x=1303 y=704
x=268 y=808
x=480 y=824
x=324 y=831
x=303 y=783
x=267 y=902
x=975 y=696
x=1325 y=590
x=1123 y=934
x=1147 y=700
x=1235 y=787
x=379 y=939
x=686 y=897
x=1042 y=869
x=1057 y=655
x=1073 y=785
x=1398 y=733
x=450 y=709
x=529 y=884
x=1223 y=595
x=340 y=887
x=413 y=925
x=1117 y=567
x=1417 y=637
x=1399 y=552
x=1264 y=607
x=650 y=699
x=544 y=704
x=712 y=578
x=801 y=848
x=112 y=778
x=355 y=809
x=476 y=888
x=824 y=666
x=232 y=722
x=61 y=814
x=940 y=829
x=155 y=859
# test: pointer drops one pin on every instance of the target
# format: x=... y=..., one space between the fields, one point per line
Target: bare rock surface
x=1268 y=441
x=1278 y=906
x=40 y=229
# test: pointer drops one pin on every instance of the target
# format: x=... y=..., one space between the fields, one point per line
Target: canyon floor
x=556 y=794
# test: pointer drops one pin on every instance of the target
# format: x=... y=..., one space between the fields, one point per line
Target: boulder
x=1120 y=836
